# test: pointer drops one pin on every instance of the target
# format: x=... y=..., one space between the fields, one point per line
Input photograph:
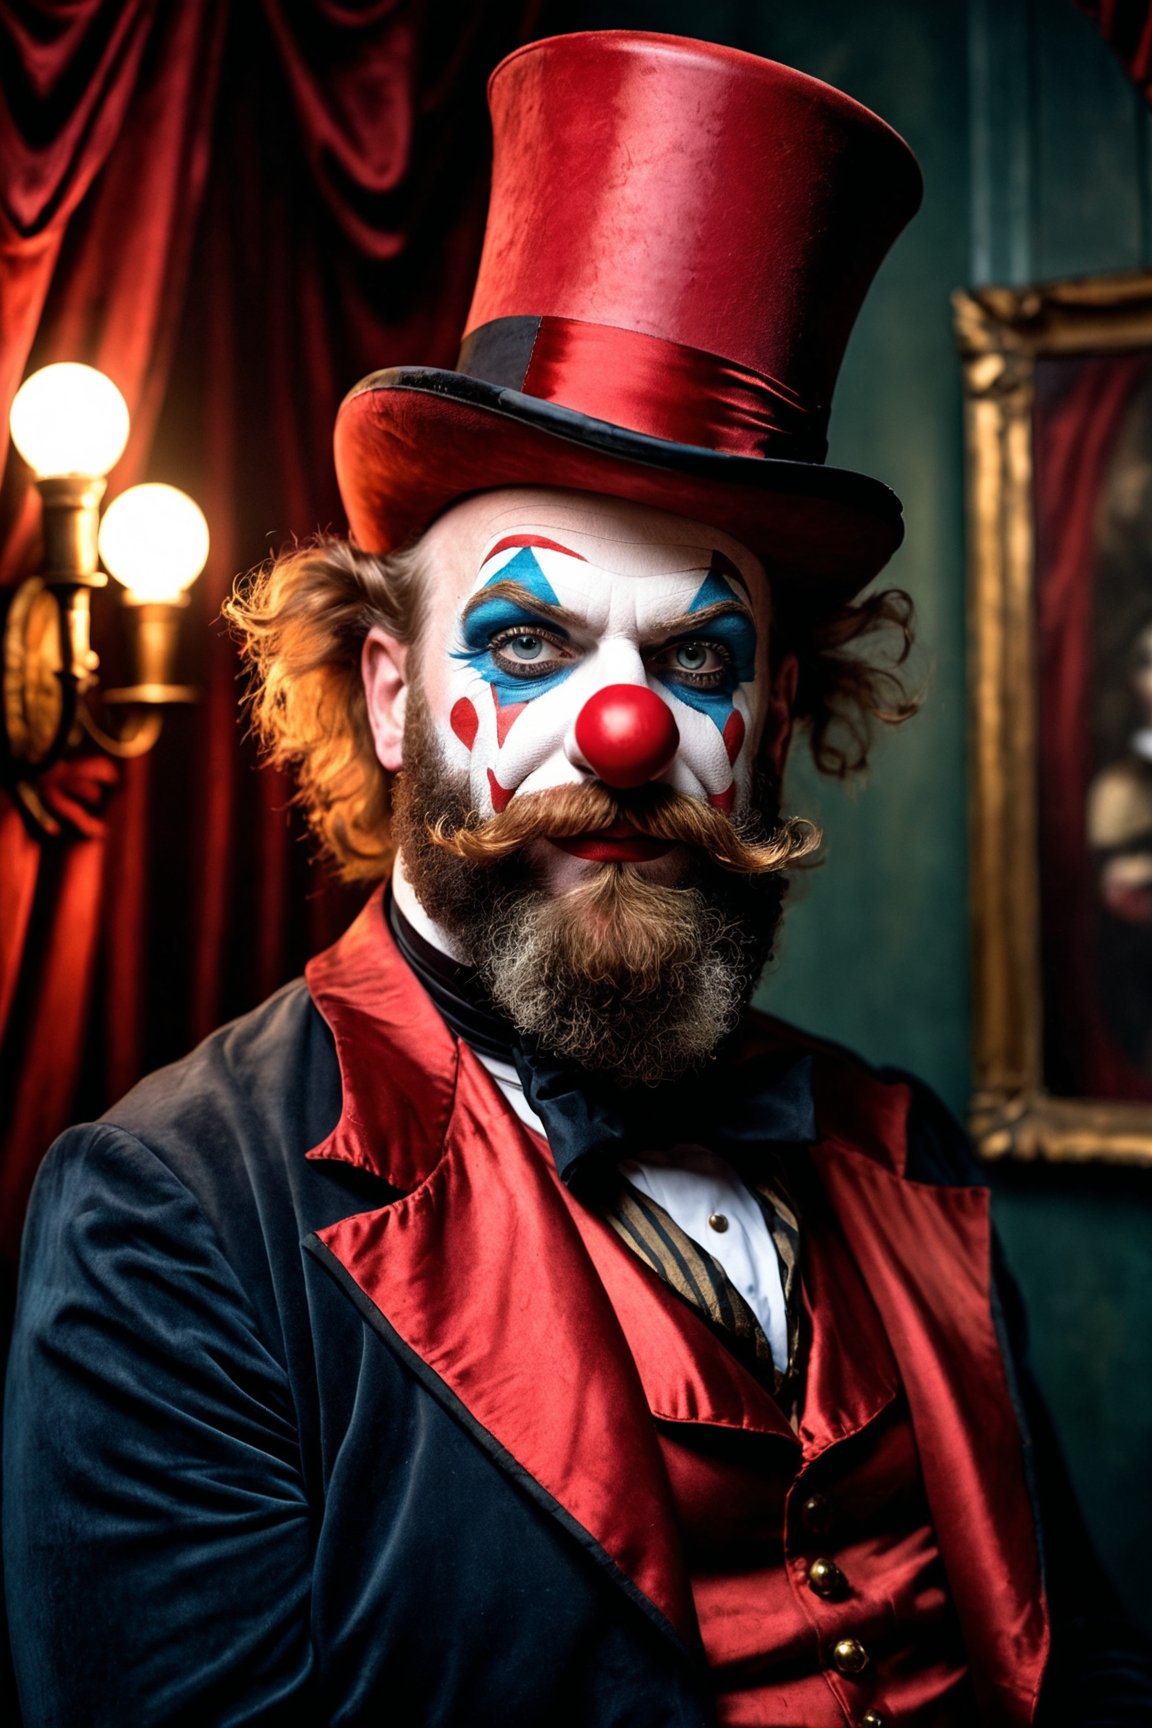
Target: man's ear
x=384 y=669
x=780 y=716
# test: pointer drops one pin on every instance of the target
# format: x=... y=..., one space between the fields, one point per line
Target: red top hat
x=679 y=239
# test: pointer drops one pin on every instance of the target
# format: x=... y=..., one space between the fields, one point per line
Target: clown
x=592 y=688
x=506 y=1326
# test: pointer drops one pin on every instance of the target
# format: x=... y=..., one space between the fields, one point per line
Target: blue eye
x=699 y=664
x=523 y=647
x=532 y=654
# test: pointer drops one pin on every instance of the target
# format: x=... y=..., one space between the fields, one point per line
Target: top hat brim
x=410 y=441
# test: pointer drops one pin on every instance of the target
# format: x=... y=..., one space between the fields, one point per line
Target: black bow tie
x=737 y=1111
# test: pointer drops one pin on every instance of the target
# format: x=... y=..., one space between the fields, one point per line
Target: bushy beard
x=622 y=975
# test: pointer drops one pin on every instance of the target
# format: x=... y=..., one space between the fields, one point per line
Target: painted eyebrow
x=519 y=596
x=691 y=623
x=519 y=541
x=686 y=624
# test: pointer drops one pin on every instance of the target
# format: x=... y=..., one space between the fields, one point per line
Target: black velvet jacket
x=287 y=1443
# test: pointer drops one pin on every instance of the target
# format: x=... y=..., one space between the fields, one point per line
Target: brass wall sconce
x=70 y=424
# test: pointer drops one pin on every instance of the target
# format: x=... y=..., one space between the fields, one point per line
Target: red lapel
x=925 y=1252
x=398 y=1060
x=687 y=1374
x=480 y=1270
x=541 y=1364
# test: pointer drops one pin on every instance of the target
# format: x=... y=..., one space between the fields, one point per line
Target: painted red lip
x=619 y=844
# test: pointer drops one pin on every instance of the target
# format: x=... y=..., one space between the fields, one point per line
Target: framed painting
x=1058 y=402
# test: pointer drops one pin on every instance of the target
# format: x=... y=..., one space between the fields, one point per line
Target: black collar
x=457 y=990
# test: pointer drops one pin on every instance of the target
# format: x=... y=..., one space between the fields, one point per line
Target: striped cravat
x=699 y=1279
x=757 y=1116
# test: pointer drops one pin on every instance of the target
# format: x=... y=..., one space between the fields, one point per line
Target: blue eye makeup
x=523 y=653
x=519 y=654
x=494 y=618
x=728 y=641
x=713 y=591
x=736 y=635
x=525 y=570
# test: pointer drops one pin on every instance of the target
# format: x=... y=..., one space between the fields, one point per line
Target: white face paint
x=548 y=597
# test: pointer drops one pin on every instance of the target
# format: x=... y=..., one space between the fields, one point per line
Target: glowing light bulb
x=154 y=539
x=69 y=419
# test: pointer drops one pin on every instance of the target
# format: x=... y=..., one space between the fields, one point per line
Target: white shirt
x=694 y=1187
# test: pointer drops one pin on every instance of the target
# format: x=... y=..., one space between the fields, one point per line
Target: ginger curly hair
x=301 y=619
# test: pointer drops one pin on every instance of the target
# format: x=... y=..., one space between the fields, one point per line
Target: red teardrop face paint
x=734 y=734
x=464 y=721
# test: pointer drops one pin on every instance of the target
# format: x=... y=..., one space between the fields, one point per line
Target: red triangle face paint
x=506 y=713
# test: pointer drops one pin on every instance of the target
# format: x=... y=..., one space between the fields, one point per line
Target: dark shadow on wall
x=1079 y=1240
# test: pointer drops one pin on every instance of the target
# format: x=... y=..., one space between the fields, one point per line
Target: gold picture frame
x=1006 y=337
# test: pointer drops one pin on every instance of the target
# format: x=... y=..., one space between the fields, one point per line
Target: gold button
x=816 y=1515
x=871 y=1719
x=826 y=1578
x=849 y=1656
x=718 y=1222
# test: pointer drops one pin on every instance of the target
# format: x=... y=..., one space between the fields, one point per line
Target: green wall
x=1035 y=154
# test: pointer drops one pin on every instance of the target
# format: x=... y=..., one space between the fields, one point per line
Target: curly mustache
x=656 y=812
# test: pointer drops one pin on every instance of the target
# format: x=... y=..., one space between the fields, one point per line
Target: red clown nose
x=626 y=734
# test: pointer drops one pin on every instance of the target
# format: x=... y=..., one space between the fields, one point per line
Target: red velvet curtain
x=1076 y=430
x=1127 y=27
x=236 y=211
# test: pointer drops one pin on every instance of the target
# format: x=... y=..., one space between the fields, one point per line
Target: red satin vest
x=542 y=1364
x=758 y=1504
